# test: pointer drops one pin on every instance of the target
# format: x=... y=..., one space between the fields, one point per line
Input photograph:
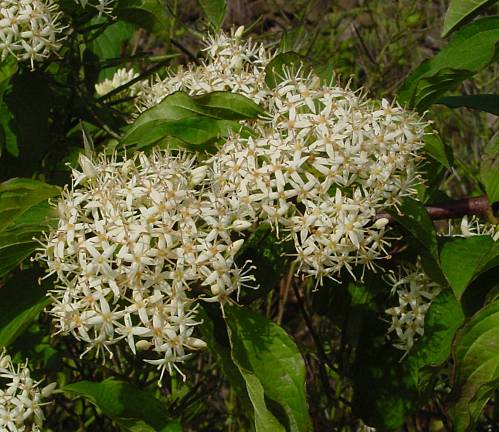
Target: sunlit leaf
x=472 y=48
x=461 y=10
x=272 y=368
x=127 y=405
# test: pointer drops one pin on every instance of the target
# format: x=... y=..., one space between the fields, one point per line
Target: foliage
x=274 y=336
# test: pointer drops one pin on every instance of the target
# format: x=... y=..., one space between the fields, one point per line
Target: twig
x=477 y=206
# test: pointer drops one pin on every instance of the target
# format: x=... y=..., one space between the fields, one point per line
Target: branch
x=477 y=206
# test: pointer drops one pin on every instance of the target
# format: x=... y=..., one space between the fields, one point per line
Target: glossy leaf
x=16 y=241
x=461 y=10
x=472 y=49
x=272 y=368
x=22 y=301
x=214 y=10
x=148 y=14
x=228 y=106
x=476 y=356
x=109 y=44
x=7 y=70
x=194 y=120
x=19 y=195
x=442 y=320
x=194 y=131
x=127 y=405
x=483 y=102
x=436 y=149
x=414 y=218
x=463 y=259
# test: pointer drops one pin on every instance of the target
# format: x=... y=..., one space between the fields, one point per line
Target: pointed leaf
x=461 y=10
x=463 y=259
x=472 y=49
x=214 y=10
x=126 y=404
x=476 y=367
x=271 y=363
x=483 y=102
x=22 y=301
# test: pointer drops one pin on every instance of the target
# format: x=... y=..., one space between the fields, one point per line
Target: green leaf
x=436 y=149
x=7 y=70
x=473 y=48
x=214 y=333
x=461 y=10
x=194 y=131
x=442 y=320
x=16 y=241
x=489 y=169
x=194 y=120
x=148 y=14
x=214 y=10
x=127 y=405
x=476 y=367
x=228 y=106
x=483 y=102
x=463 y=259
x=19 y=195
x=275 y=70
x=272 y=368
x=109 y=44
x=414 y=218
x=22 y=301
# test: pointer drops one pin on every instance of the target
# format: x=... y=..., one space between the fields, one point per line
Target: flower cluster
x=139 y=241
x=121 y=77
x=323 y=163
x=231 y=65
x=102 y=6
x=472 y=226
x=29 y=29
x=20 y=398
x=415 y=292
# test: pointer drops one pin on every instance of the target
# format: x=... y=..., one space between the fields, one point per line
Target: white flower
x=121 y=77
x=134 y=238
x=29 y=29
x=415 y=292
x=231 y=65
x=20 y=397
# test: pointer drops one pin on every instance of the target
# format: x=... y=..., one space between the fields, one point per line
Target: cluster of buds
x=20 y=398
x=415 y=291
x=29 y=29
x=139 y=241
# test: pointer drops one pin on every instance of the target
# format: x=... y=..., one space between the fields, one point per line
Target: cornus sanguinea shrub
x=211 y=230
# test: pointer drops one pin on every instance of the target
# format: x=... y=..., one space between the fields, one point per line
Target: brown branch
x=477 y=206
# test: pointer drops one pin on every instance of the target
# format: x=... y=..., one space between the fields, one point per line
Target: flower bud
x=143 y=345
x=240 y=225
x=196 y=343
x=87 y=166
x=198 y=174
x=381 y=223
